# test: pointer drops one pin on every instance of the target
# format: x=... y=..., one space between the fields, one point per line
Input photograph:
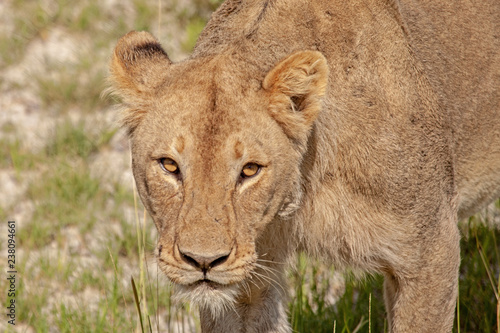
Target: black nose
x=204 y=262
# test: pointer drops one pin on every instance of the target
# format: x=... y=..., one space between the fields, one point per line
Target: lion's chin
x=208 y=295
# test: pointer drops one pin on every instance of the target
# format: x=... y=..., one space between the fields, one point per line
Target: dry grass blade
x=360 y=325
x=458 y=309
x=487 y=268
x=137 y=303
x=370 y=313
x=116 y=275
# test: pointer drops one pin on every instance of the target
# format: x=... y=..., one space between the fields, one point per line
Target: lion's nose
x=204 y=262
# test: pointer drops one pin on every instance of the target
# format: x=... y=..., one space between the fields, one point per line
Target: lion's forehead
x=217 y=147
x=215 y=157
x=212 y=118
x=216 y=123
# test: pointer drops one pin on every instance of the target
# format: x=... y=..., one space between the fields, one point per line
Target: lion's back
x=458 y=43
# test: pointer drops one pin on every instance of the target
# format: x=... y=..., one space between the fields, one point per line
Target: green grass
x=479 y=280
x=193 y=29
x=14 y=155
x=361 y=304
x=62 y=93
x=66 y=193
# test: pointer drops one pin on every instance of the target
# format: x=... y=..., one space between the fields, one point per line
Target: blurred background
x=82 y=235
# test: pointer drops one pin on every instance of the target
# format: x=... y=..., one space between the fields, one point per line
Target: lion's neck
x=264 y=32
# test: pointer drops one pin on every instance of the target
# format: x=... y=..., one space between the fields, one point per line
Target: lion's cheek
x=258 y=206
x=161 y=198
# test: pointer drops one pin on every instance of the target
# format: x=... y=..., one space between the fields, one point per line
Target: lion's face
x=216 y=155
x=212 y=171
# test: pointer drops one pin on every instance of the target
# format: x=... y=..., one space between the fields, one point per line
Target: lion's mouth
x=208 y=294
x=206 y=283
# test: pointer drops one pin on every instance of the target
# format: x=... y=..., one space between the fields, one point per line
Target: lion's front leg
x=261 y=307
x=422 y=297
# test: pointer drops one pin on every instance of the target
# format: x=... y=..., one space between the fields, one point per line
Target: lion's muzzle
x=204 y=261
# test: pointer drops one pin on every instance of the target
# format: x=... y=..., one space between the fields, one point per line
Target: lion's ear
x=138 y=66
x=296 y=86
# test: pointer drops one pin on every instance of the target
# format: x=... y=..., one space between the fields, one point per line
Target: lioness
x=359 y=131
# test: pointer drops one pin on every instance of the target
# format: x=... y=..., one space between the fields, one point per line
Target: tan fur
x=376 y=125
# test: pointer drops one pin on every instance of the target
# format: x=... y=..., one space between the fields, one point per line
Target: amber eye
x=250 y=170
x=169 y=165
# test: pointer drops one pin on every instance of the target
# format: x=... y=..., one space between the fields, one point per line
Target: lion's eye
x=169 y=165
x=250 y=170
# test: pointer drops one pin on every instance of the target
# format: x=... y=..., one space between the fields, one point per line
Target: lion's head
x=217 y=148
